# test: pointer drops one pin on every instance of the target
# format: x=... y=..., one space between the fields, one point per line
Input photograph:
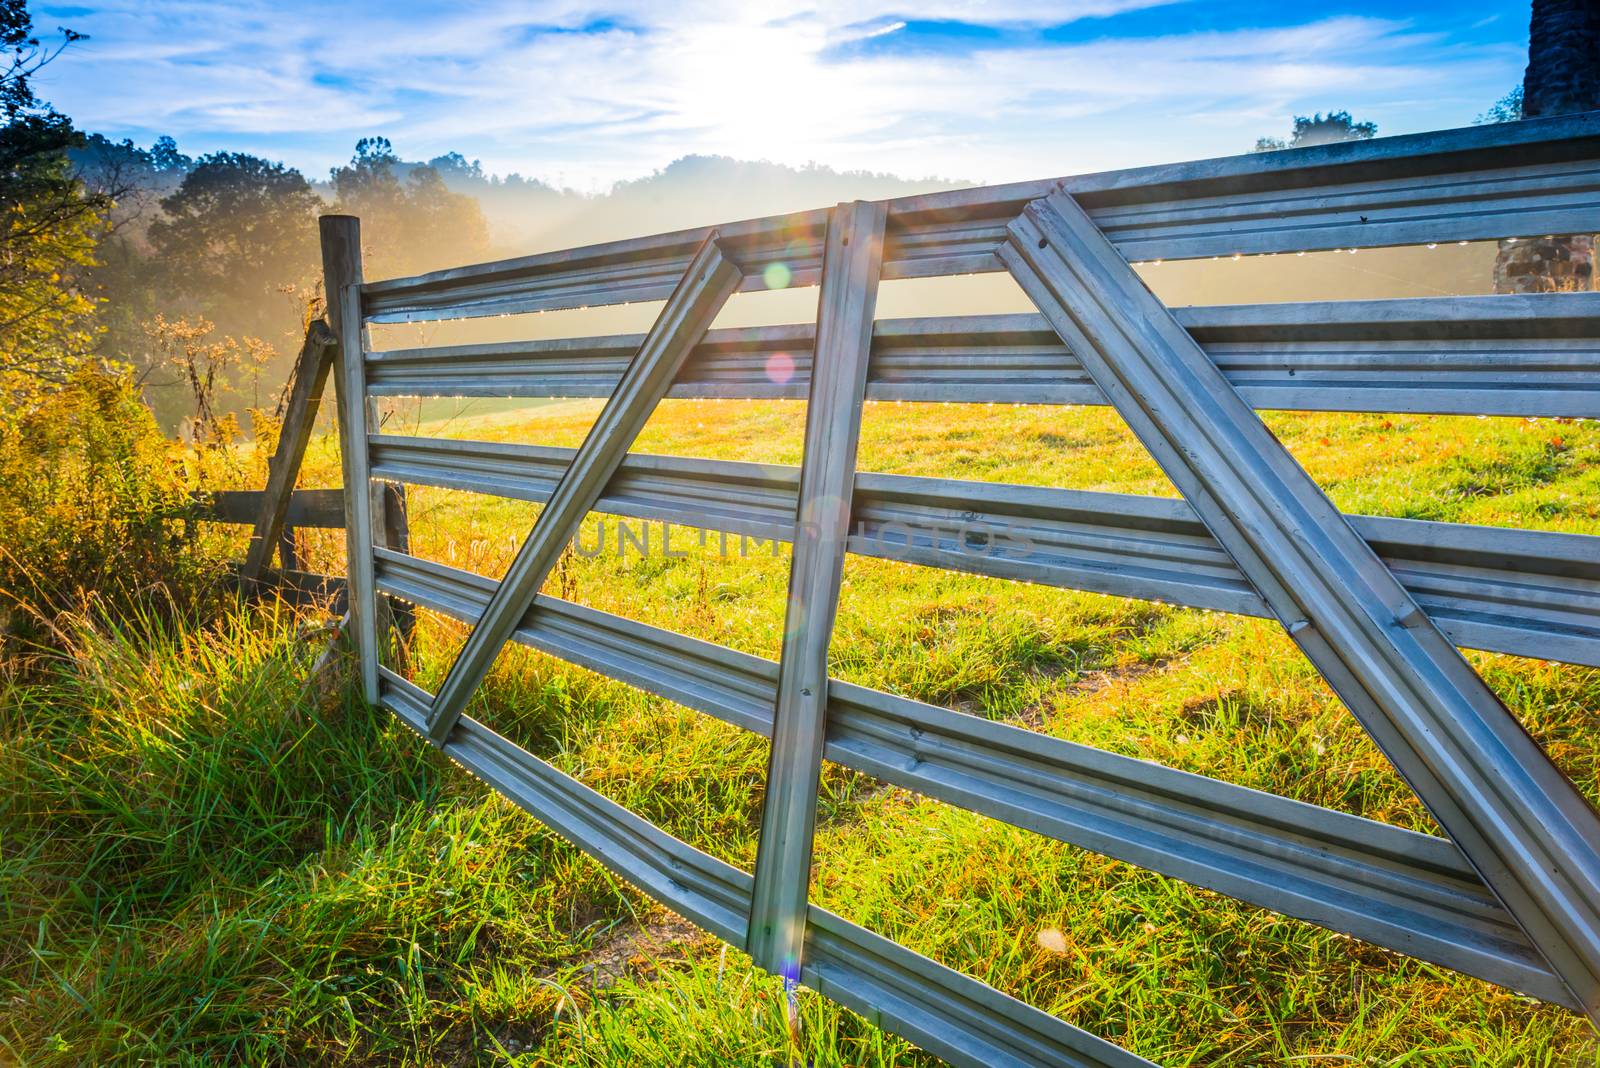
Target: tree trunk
x=1563 y=77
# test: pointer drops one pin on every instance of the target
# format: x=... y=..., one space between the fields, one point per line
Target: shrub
x=89 y=491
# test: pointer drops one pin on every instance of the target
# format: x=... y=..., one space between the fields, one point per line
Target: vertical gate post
x=397 y=536
x=851 y=261
x=288 y=552
x=341 y=280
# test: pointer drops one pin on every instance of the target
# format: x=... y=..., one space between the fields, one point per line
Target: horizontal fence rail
x=942 y=1010
x=1376 y=602
x=1503 y=180
x=1397 y=888
x=311 y=509
x=1528 y=356
x=315 y=509
x=1532 y=593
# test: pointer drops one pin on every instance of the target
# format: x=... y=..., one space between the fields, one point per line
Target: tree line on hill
x=230 y=239
x=201 y=272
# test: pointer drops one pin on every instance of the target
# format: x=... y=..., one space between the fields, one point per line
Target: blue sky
x=587 y=93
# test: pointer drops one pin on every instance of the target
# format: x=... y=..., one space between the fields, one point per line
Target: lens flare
x=777 y=276
x=780 y=365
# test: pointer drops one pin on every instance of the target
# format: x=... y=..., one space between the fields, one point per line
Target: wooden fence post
x=397 y=536
x=341 y=272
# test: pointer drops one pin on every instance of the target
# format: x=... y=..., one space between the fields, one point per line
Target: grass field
x=202 y=862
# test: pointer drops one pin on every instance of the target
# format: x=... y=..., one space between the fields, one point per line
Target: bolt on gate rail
x=1378 y=605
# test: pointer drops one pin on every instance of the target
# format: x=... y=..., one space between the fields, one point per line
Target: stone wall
x=1545 y=265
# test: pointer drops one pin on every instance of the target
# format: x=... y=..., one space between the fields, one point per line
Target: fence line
x=307 y=509
x=1378 y=605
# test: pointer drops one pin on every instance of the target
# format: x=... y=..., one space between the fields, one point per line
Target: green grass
x=200 y=861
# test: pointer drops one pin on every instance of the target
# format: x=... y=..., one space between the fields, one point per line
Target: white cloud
x=556 y=89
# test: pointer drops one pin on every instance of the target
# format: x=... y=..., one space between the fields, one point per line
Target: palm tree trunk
x=1563 y=77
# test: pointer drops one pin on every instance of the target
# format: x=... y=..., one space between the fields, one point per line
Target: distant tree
x=165 y=157
x=98 y=159
x=126 y=280
x=1320 y=129
x=238 y=230
x=410 y=220
x=453 y=165
x=49 y=222
x=1507 y=109
x=134 y=179
x=1562 y=77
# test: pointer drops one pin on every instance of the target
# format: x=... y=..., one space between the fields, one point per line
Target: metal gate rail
x=1378 y=604
x=1397 y=888
x=1529 y=592
x=942 y=1010
x=1506 y=355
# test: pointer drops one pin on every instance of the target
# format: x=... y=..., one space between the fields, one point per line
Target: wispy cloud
x=590 y=94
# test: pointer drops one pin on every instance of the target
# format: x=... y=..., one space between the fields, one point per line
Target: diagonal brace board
x=852 y=259
x=305 y=397
x=705 y=287
x=1532 y=837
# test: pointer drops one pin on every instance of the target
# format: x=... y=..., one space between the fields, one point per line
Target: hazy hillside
x=527 y=215
x=514 y=215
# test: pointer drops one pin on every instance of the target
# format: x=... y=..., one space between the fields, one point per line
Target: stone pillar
x=1563 y=78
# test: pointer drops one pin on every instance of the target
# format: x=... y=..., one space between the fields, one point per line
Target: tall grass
x=203 y=864
x=203 y=861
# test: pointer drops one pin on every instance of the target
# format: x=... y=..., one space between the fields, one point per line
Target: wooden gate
x=1379 y=606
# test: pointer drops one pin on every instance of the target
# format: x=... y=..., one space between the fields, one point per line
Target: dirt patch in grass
x=1035 y=715
x=629 y=949
x=634 y=948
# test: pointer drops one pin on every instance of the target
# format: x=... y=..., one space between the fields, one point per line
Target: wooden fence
x=275 y=513
x=1377 y=605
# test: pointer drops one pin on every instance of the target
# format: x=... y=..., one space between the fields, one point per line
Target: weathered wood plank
x=321 y=509
x=307 y=588
x=341 y=274
x=305 y=397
